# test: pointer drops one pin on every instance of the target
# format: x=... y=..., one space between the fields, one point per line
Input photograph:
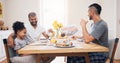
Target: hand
x=50 y=30
x=45 y=35
x=83 y=22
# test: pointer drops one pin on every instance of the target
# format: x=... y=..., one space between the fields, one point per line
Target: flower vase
x=57 y=33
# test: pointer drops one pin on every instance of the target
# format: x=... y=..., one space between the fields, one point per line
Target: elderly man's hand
x=83 y=22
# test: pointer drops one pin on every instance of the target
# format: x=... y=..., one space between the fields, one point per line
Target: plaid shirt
x=94 y=58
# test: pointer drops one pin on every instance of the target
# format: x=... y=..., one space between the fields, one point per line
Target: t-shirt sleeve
x=17 y=45
x=98 y=31
x=28 y=39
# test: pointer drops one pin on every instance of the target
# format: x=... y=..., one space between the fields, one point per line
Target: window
x=51 y=10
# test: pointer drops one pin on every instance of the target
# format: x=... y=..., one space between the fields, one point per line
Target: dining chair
x=114 y=50
x=6 y=50
x=10 y=52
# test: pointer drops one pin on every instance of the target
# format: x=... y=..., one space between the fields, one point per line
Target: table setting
x=62 y=43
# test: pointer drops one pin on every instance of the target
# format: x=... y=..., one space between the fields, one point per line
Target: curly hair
x=18 y=26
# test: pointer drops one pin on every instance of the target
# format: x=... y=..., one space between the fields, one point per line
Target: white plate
x=80 y=40
x=43 y=41
x=38 y=44
x=64 y=46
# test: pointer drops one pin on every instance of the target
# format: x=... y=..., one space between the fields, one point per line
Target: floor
x=58 y=60
x=61 y=60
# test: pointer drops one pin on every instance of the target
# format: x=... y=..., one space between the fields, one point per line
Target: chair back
x=114 y=49
x=10 y=52
x=6 y=50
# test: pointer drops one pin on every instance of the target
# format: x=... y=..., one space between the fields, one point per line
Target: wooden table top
x=81 y=47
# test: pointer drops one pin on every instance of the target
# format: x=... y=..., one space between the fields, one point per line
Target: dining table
x=45 y=48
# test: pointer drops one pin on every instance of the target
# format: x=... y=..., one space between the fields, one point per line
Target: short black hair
x=31 y=14
x=97 y=7
x=18 y=26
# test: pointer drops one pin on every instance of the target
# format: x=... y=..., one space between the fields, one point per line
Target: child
x=22 y=39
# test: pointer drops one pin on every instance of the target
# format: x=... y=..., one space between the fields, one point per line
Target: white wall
x=118 y=28
x=19 y=9
x=77 y=9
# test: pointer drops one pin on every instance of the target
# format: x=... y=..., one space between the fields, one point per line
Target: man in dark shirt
x=98 y=35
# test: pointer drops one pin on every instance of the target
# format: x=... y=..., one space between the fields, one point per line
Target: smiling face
x=33 y=20
x=21 y=33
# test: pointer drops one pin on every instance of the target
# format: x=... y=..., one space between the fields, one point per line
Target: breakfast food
x=61 y=37
x=73 y=38
x=53 y=40
x=65 y=43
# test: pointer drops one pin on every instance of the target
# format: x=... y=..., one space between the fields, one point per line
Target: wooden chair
x=6 y=50
x=114 y=49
